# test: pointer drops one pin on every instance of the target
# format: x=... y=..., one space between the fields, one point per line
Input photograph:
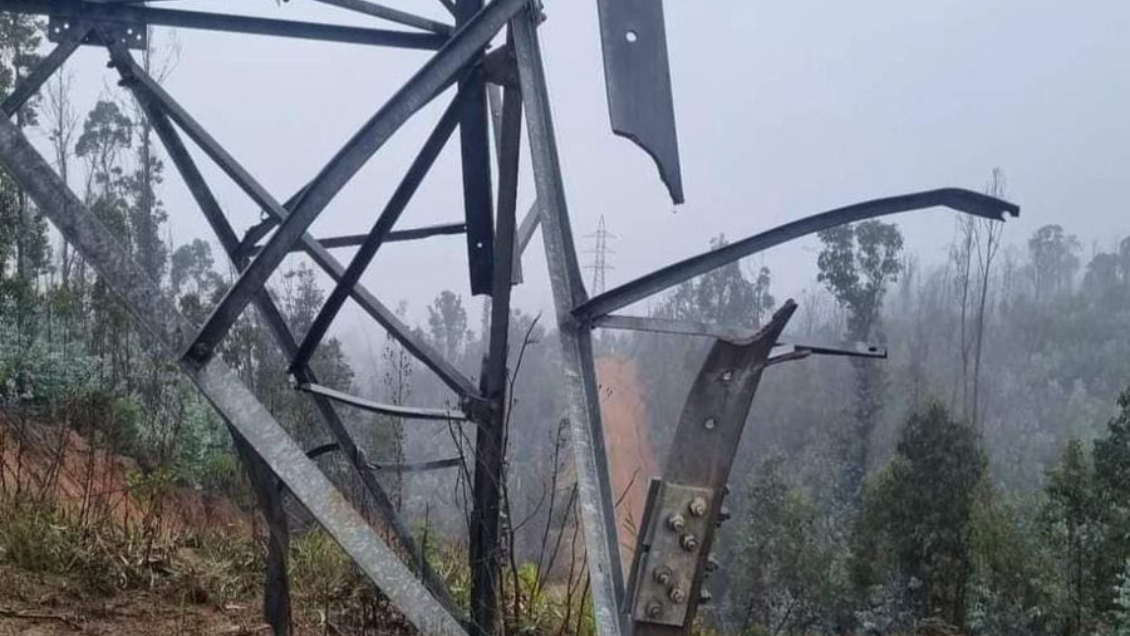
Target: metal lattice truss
x=496 y=87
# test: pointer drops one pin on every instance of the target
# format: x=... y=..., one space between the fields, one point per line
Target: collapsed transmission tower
x=485 y=60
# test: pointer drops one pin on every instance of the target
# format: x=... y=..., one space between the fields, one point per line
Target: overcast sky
x=784 y=109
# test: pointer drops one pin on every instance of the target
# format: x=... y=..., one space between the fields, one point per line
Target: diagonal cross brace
x=221 y=386
x=38 y=76
x=418 y=347
x=439 y=72
x=399 y=201
x=286 y=341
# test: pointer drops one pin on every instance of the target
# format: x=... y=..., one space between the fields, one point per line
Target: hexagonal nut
x=676 y=522
x=689 y=542
x=697 y=506
x=677 y=595
x=663 y=576
x=654 y=609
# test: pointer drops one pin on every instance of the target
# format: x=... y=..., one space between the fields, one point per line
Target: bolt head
x=697 y=506
x=663 y=576
x=689 y=542
x=676 y=522
x=654 y=609
x=677 y=595
x=200 y=350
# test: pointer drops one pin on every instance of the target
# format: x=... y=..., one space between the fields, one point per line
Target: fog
x=783 y=111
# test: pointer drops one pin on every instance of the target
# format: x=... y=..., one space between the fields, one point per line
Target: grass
x=100 y=559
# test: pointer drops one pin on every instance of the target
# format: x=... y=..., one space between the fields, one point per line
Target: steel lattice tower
x=484 y=59
x=599 y=252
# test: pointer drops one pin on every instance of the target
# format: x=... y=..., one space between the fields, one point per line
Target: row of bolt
x=663 y=576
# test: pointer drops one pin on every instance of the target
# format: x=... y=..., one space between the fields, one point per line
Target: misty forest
x=976 y=481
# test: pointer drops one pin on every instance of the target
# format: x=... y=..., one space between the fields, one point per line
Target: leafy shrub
x=41 y=372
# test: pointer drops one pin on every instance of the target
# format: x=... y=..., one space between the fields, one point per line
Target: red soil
x=630 y=455
x=57 y=465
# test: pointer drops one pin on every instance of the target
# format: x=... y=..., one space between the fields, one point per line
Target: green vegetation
x=977 y=482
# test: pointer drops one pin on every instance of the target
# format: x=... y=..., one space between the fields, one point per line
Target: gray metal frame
x=498 y=88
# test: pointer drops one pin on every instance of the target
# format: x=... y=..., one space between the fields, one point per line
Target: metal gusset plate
x=667 y=567
x=671 y=560
x=638 y=78
x=129 y=30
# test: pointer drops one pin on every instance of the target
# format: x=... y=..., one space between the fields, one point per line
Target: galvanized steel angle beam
x=598 y=514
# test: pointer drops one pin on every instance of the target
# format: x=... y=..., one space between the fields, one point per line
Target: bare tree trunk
x=986 y=253
x=961 y=253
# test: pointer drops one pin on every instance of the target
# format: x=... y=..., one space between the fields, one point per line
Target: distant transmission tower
x=599 y=252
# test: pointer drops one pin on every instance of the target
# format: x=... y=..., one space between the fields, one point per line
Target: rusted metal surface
x=683 y=517
x=665 y=570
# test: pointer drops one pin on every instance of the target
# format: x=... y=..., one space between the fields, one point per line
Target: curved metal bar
x=407 y=412
x=958 y=199
x=420 y=467
x=417 y=467
x=324 y=449
x=730 y=333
